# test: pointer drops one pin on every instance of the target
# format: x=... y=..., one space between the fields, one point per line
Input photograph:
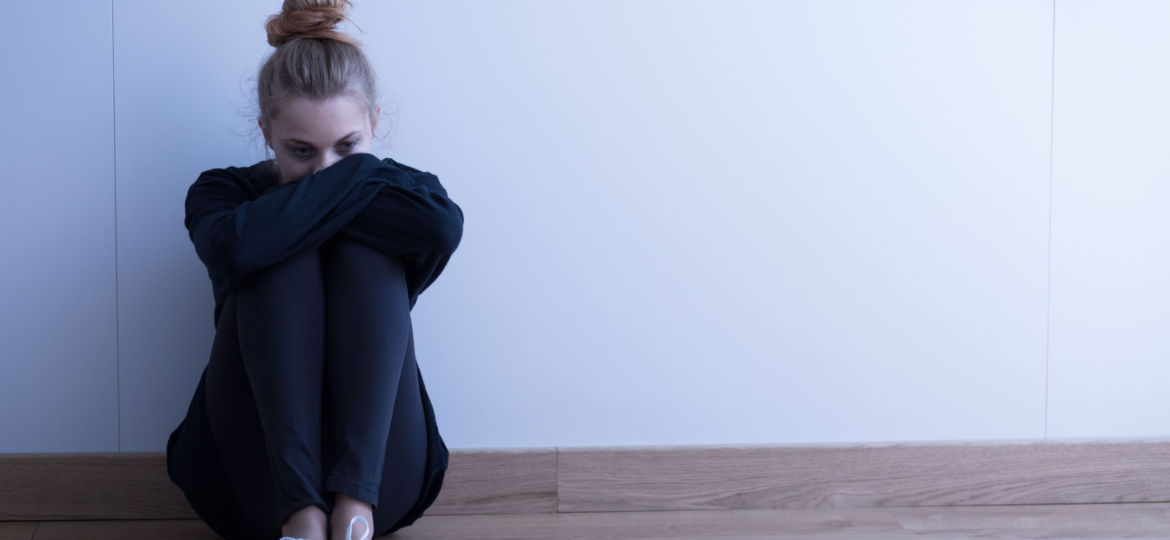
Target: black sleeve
x=235 y=235
x=412 y=218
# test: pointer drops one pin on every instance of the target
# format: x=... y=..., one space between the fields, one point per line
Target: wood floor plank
x=112 y=485
x=1147 y=522
x=854 y=476
x=17 y=530
x=1134 y=518
x=171 y=529
x=522 y=481
x=863 y=523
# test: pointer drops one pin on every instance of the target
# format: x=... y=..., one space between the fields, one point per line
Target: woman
x=311 y=415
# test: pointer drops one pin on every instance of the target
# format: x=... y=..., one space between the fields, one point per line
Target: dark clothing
x=240 y=220
x=319 y=390
x=277 y=427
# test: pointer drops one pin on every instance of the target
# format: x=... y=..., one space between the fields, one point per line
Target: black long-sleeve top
x=241 y=220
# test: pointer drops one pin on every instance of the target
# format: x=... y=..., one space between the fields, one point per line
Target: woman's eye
x=301 y=152
x=348 y=145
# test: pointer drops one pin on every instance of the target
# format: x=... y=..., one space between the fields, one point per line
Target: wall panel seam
x=117 y=293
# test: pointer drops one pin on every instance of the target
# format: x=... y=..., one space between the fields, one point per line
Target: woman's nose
x=325 y=162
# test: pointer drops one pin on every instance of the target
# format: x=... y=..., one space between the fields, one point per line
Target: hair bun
x=308 y=19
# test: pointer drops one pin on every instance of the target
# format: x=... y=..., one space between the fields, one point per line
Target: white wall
x=1110 y=361
x=58 y=294
x=687 y=222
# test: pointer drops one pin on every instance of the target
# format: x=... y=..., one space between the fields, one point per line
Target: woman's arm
x=413 y=218
x=236 y=234
x=410 y=215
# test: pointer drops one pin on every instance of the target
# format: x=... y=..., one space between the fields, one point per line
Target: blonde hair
x=312 y=59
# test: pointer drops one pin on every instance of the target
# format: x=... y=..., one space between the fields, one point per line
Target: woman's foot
x=344 y=510
x=308 y=523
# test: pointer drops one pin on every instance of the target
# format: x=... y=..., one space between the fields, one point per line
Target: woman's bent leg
x=375 y=446
x=251 y=508
x=279 y=314
x=406 y=450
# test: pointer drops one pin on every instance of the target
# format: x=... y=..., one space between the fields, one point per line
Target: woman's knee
x=356 y=259
x=297 y=273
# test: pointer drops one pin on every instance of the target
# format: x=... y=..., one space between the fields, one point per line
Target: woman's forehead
x=320 y=121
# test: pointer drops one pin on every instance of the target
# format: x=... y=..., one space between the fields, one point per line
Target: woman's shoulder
x=394 y=163
x=414 y=171
x=426 y=178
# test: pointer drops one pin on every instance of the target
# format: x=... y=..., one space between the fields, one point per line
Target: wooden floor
x=1125 y=520
x=1005 y=490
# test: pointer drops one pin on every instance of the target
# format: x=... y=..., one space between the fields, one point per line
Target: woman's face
x=309 y=135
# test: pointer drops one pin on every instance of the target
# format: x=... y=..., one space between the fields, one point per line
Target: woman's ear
x=374 y=126
x=264 y=130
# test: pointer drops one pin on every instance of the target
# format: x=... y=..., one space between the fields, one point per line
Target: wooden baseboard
x=134 y=485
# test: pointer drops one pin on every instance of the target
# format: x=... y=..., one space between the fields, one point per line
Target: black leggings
x=312 y=388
